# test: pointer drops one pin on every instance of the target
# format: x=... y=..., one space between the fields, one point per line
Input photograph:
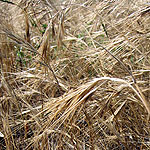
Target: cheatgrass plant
x=74 y=75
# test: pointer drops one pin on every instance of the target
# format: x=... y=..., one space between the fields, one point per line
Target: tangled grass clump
x=74 y=75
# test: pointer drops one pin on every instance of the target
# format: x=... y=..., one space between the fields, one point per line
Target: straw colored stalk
x=68 y=105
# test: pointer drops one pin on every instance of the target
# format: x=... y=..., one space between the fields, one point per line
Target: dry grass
x=75 y=75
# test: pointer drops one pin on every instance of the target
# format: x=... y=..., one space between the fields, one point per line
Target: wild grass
x=74 y=75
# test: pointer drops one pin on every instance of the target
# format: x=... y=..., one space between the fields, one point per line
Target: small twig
x=6 y=1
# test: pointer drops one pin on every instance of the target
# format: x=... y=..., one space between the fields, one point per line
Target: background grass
x=75 y=74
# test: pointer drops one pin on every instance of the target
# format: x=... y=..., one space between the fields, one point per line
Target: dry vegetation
x=75 y=74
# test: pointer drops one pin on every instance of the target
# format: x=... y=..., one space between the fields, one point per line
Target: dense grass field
x=75 y=75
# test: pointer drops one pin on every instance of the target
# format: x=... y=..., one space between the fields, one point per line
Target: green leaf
x=44 y=26
x=20 y=54
x=42 y=31
x=29 y=57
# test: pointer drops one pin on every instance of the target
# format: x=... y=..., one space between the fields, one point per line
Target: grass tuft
x=74 y=75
